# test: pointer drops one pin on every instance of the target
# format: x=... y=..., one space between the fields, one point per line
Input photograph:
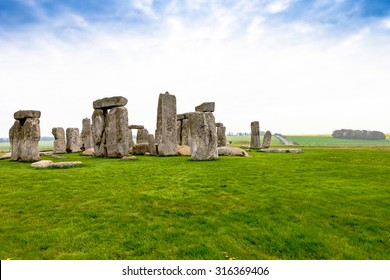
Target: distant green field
x=43 y=146
x=328 y=140
x=246 y=140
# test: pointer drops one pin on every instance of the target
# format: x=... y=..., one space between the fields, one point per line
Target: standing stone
x=142 y=136
x=184 y=133
x=110 y=129
x=267 y=140
x=221 y=134
x=59 y=146
x=255 y=135
x=130 y=137
x=178 y=131
x=116 y=130
x=203 y=136
x=73 y=140
x=166 y=134
x=25 y=135
x=152 y=145
x=98 y=132
x=86 y=135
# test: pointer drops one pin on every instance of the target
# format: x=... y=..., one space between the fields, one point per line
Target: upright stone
x=206 y=107
x=221 y=134
x=25 y=135
x=255 y=135
x=86 y=134
x=98 y=132
x=117 y=144
x=203 y=136
x=130 y=137
x=267 y=140
x=142 y=136
x=73 y=140
x=152 y=145
x=166 y=134
x=184 y=133
x=59 y=145
x=178 y=131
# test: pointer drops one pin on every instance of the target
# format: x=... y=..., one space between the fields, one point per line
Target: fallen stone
x=183 y=150
x=110 y=102
x=206 y=107
x=45 y=153
x=129 y=158
x=88 y=152
x=276 y=150
x=232 y=151
x=66 y=164
x=24 y=114
x=6 y=156
x=42 y=163
x=140 y=149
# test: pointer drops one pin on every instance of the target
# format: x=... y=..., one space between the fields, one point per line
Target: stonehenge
x=266 y=140
x=73 y=140
x=221 y=135
x=86 y=134
x=24 y=136
x=110 y=127
x=166 y=131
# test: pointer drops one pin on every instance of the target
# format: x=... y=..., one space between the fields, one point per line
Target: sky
x=296 y=66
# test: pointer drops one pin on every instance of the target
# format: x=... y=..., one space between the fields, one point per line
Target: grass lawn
x=326 y=203
x=328 y=140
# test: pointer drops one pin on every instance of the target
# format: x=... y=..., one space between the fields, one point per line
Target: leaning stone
x=203 y=136
x=267 y=140
x=166 y=134
x=110 y=102
x=42 y=164
x=232 y=151
x=206 y=107
x=24 y=114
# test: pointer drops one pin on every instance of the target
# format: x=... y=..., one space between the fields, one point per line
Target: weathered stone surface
x=275 y=150
x=267 y=140
x=231 y=151
x=184 y=150
x=152 y=145
x=73 y=140
x=130 y=137
x=206 y=107
x=184 y=133
x=358 y=134
x=6 y=156
x=178 y=131
x=59 y=145
x=221 y=134
x=24 y=114
x=86 y=135
x=218 y=124
x=142 y=136
x=42 y=163
x=24 y=137
x=109 y=102
x=255 y=135
x=116 y=131
x=88 y=152
x=66 y=164
x=166 y=134
x=134 y=126
x=98 y=132
x=129 y=158
x=140 y=149
x=203 y=136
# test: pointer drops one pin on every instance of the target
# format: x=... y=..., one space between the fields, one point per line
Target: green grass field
x=328 y=140
x=326 y=203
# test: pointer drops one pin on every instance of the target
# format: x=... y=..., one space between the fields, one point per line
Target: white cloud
x=278 y=6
